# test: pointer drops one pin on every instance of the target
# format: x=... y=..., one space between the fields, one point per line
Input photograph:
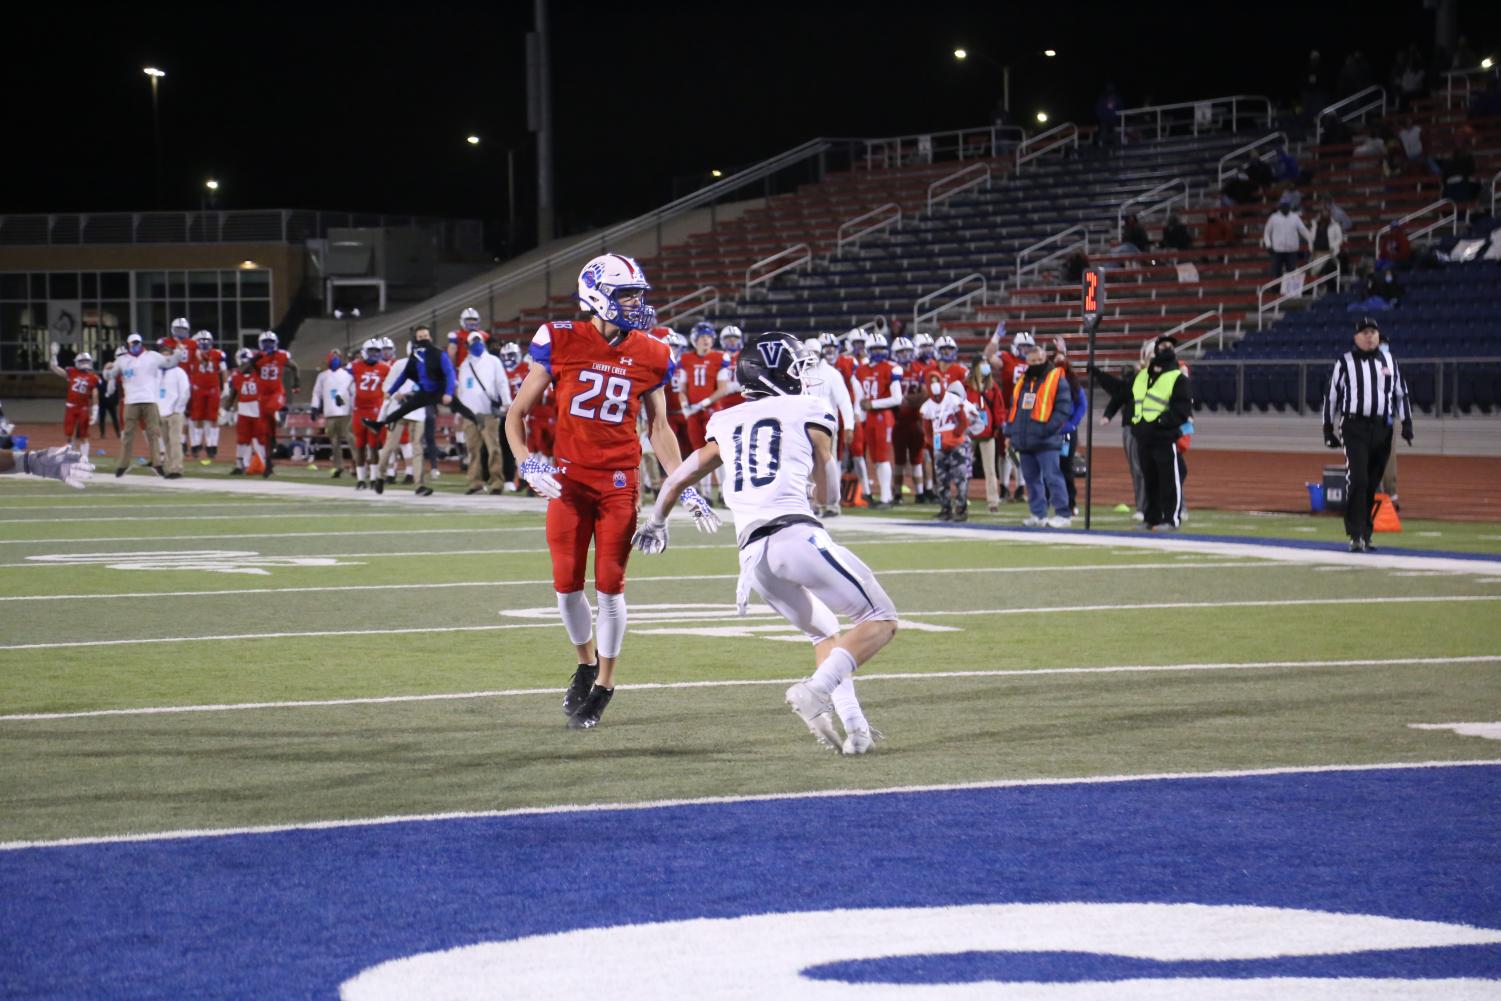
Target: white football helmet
x=876 y=346
x=269 y=341
x=244 y=356
x=901 y=350
x=948 y=350
x=510 y=355
x=469 y=320
x=678 y=343
x=604 y=280
x=857 y=340
x=84 y=360
x=1021 y=342
x=387 y=348
x=203 y=338
x=922 y=343
x=180 y=327
x=730 y=338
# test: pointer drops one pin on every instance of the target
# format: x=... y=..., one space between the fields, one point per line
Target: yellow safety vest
x=1151 y=403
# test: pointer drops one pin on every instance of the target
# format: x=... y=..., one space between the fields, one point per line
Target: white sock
x=406 y=453
x=361 y=471
x=883 y=477
x=213 y=436
x=242 y=455
x=863 y=471
x=848 y=707
x=1008 y=469
x=574 y=608
x=831 y=475
x=611 y=625
x=84 y=448
x=195 y=435
x=836 y=667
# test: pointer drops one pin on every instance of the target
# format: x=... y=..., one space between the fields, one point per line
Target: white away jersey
x=768 y=458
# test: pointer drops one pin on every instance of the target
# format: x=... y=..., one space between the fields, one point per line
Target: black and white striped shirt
x=1367 y=385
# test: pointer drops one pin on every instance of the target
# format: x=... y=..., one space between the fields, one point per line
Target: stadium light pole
x=156 y=129
x=962 y=54
x=539 y=118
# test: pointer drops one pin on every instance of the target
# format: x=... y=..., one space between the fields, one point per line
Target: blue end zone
x=296 y=913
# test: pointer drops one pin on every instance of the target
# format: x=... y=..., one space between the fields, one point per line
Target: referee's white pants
x=810 y=579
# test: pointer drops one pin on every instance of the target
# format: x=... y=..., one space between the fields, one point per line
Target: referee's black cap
x=1367 y=323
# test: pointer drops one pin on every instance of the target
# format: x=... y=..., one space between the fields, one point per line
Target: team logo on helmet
x=771 y=352
x=590 y=277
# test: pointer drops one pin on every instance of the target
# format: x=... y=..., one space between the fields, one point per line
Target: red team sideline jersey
x=598 y=389
x=369 y=381
x=700 y=374
x=269 y=367
x=81 y=384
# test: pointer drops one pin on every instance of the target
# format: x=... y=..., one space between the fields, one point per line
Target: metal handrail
x=800 y=253
x=708 y=293
x=977 y=174
x=1120 y=211
x=928 y=144
x=1218 y=313
x=918 y=315
x=1375 y=92
x=1452 y=218
x=1231 y=156
x=889 y=220
x=1234 y=101
x=1066 y=134
x=1262 y=306
x=1055 y=238
x=1465 y=74
x=581 y=250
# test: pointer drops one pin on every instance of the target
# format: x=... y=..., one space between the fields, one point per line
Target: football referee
x=1366 y=397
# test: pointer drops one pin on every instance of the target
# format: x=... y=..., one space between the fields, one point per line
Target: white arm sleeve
x=841 y=400
x=672 y=487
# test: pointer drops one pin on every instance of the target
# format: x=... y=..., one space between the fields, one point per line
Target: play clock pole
x=1093 y=301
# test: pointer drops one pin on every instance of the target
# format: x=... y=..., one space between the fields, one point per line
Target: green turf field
x=1018 y=658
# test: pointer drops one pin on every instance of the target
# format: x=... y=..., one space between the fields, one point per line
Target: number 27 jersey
x=598 y=387
x=768 y=457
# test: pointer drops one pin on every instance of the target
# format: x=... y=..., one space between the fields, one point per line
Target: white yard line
x=537 y=811
x=172 y=517
x=1091 y=567
x=502 y=693
x=1044 y=610
x=168 y=504
x=360 y=532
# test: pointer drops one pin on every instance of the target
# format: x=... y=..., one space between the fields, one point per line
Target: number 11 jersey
x=768 y=457
x=598 y=387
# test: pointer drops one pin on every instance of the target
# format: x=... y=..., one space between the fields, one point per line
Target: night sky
x=366 y=107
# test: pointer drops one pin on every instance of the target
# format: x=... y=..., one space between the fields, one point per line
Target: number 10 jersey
x=598 y=387
x=768 y=457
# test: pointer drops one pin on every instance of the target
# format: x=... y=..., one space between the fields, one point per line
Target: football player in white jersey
x=771 y=447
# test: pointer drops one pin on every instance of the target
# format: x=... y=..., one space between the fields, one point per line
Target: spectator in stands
x=1283 y=237
x=1339 y=215
x=1395 y=250
x=1219 y=230
x=1313 y=89
x=1328 y=242
x=1074 y=266
x=1107 y=115
x=1175 y=235
x=1408 y=75
x=1134 y=235
x=1239 y=189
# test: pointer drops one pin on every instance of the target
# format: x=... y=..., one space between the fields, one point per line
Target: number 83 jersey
x=598 y=387
x=768 y=457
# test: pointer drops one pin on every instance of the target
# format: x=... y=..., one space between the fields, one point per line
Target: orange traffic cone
x=1384 y=515
x=853 y=494
x=254 y=467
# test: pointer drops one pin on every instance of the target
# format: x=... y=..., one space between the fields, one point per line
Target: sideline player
x=881 y=393
x=823 y=380
x=83 y=399
x=701 y=369
x=251 y=436
x=772 y=446
x=271 y=364
x=603 y=370
x=369 y=373
x=206 y=375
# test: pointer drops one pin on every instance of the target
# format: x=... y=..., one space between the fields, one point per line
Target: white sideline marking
x=1092 y=567
x=361 y=532
x=167 y=504
x=742 y=683
x=542 y=811
x=171 y=517
x=1490 y=731
x=1046 y=610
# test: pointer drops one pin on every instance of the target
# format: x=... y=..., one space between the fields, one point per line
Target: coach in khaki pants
x=482 y=386
x=332 y=395
x=139 y=375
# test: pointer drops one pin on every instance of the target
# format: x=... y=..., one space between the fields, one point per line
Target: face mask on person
x=935 y=389
x=476 y=348
x=334 y=364
x=136 y=349
x=985 y=368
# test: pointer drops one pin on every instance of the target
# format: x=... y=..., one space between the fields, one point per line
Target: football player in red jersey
x=602 y=370
x=849 y=360
x=83 y=399
x=881 y=392
x=205 y=369
x=701 y=368
x=948 y=360
x=677 y=390
x=909 y=445
x=270 y=365
x=516 y=368
x=1007 y=368
x=182 y=337
x=252 y=436
x=369 y=373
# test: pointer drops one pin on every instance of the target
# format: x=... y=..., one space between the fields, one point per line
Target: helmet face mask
x=876 y=348
x=269 y=341
x=203 y=339
x=245 y=358
x=730 y=338
x=84 y=361
x=371 y=350
x=901 y=350
x=613 y=288
x=510 y=355
x=948 y=350
x=387 y=348
x=469 y=320
x=922 y=344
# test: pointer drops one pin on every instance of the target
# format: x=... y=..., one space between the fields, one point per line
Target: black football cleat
x=379 y=485
x=237 y=471
x=587 y=717
x=578 y=688
x=372 y=425
x=119 y=471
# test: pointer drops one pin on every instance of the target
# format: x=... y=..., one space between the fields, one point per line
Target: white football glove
x=693 y=408
x=539 y=475
x=651 y=537
x=227 y=417
x=60 y=463
x=704 y=518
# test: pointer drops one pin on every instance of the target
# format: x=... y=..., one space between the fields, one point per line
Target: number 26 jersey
x=768 y=457
x=598 y=387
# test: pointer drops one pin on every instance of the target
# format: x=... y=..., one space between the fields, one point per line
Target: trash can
x=19 y=442
x=1315 y=497
x=1334 y=488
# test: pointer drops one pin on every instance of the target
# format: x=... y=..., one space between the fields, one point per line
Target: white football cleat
x=860 y=739
x=817 y=712
x=1032 y=521
x=1058 y=521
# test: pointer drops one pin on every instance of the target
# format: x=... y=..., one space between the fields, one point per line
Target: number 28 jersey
x=768 y=457
x=598 y=388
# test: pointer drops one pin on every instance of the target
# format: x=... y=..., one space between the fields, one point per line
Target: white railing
x=877 y=220
x=1217 y=315
x=1451 y=217
x=954 y=302
x=575 y=254
x=680 y=308
x=1230 y=162
x=1194 y=117
x=1455 y=79
x=1355 y=106
x=1043 y=143
x=1179 y=188
x=964 y=179
x=1073 y=238
x=796 y=256
x=961 y=144
x=1262 y=306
